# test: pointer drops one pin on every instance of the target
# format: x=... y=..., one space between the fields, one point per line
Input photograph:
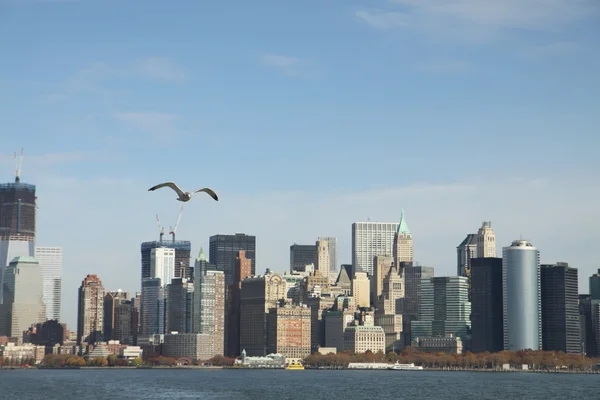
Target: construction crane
x=174 y=229
x=161 y=229
x=18 y=166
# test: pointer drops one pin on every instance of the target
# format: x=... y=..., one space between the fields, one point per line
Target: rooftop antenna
x=18 y=166
x=161 y=229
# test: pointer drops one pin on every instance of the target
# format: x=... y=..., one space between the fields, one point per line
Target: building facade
x=302 y=255
x=486 y=305
x=289 y=331
x=411 y=304
x=209 y=315
x=23 y=303
x=180 y=306
x=333 y=256
x=90 y=315
x=182 y=249
x=223 y=249
x=153 y=308
x=560 y=308
x=50 y=260
x=370 y=239
x=521 y=297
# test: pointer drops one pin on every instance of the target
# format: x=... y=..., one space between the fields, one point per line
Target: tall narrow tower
x=486 y=241
x=90 y=316
x=403 y=244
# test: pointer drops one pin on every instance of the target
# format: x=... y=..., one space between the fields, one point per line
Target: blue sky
x=304 y=116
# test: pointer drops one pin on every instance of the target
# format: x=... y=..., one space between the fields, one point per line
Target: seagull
x=184 y=196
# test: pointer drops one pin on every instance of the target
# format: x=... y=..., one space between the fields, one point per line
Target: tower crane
x=174 y=229
x=161 y=229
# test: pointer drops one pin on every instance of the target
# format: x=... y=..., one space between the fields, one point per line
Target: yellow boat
x=295 y=367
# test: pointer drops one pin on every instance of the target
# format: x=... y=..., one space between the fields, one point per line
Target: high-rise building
x=50 y=260
x=595 y=286
x=111 y=301
x=403 y=244
x=560 y=309
x=201 y=265
x=153 y=308
x=388 y=314
x=23 y=298
x=223 y=250
x=521 y=297
x=17 y=209
x=125 y=318
x=289 y=332
x=180 y=306
x=323 y=264
x=302 y=255
x=486 y=241
x=486 y=305
x=17 y=223
x=333 y=261
x=361 y=288
x=258 y=295
x=242 y=270
x=182 y=249
x=209 y=317
x=413 y=276
x=370 y=239
x=445 y=308
x=162 y=264
x=381 y=267
x=587 y=330
x=90 y=315
x=465 y=252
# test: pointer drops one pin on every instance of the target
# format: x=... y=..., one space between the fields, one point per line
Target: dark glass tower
x=17 y=209
x=223 y=249
x=486 y=305
x=560 y=309
x=302 y=255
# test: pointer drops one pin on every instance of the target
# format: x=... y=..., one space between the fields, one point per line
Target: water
x=95 y=384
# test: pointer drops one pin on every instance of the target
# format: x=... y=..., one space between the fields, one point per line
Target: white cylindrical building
x=522 y=309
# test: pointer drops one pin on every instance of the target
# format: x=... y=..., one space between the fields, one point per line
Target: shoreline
x=200 y=367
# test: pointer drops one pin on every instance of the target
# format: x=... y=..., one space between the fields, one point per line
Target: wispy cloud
x=445 y=67
x=291 y=66
x=480 y=18
x=99 y=78
x=383 y=19
x=161 y=68
x=159 y=125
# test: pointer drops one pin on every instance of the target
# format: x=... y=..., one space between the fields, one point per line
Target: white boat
x=406 y=367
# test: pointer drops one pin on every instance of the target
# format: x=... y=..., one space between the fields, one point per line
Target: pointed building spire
x=201 y=256
x=402 y=226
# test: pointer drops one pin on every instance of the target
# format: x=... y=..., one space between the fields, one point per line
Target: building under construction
x=182 y=248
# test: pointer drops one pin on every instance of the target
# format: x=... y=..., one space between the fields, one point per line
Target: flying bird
x=184 y=196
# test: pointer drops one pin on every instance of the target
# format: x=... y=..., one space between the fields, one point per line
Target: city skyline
x=501 y=128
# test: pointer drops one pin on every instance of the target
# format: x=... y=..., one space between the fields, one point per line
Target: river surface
x=100 y=384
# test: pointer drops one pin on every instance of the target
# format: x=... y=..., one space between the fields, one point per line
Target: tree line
x=538 y=359
x=71 y=360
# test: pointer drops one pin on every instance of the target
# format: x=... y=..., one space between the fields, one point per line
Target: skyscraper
x=111 y=302
x=180 y=306
x=370 y=239
x=209 y=317
x=333 y=262
x=521 y=297
x=242 y=270
x=201 y=265
x=162 y=264
x=445 y=308
x=302 y=255
x=323 y=264
x=90 y=315
x=153 y=308
x=413 y=277
x=486 y=241
x=50 y=260
x=182 y=249
x=560 y=309
x=486 y=305
x=466 y=251
x=595 y=286
x=17 y=222
x=23 y=298
x=403 y=245
x=223 y=250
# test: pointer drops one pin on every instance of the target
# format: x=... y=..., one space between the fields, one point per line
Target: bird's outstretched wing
x=172 y=185
x=209 y=191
